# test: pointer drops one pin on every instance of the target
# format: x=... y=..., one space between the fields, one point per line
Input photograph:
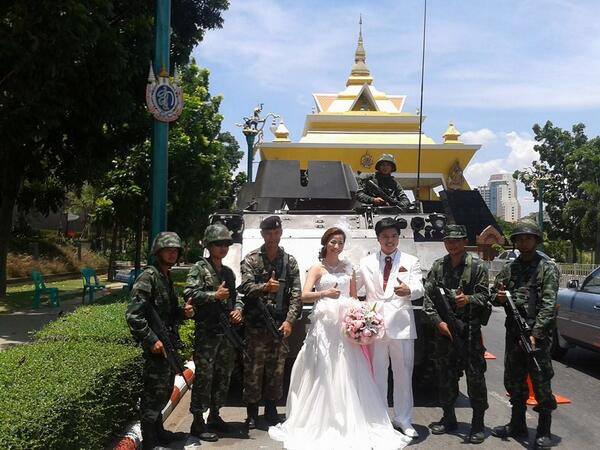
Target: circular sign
x=366 y=160
x=164 y=99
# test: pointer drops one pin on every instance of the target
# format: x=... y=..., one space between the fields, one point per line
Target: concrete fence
x=567 y=271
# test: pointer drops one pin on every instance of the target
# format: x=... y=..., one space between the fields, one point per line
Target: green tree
x=201 y=158
x=506 y=227
x=71 y=92
x=554 y=147
x=583 y=209
x=201 y=161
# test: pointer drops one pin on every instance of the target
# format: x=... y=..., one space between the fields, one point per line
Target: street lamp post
x=250 y=134
x=540 y=189
x=160 y=129
x=253 y=130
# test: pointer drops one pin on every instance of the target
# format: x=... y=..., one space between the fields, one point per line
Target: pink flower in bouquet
x=362 y=325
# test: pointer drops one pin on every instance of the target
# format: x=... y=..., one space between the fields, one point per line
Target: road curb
x=132 y=438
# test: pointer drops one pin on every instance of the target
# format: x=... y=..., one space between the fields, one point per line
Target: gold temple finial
x=360 y=72
x=451 y=135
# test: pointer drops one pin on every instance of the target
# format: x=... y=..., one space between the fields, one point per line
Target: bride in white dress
x=333 y=402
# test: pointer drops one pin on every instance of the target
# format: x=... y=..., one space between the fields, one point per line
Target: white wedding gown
x=333 y=402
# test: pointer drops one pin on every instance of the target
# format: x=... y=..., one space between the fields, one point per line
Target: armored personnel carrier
x=310 y=201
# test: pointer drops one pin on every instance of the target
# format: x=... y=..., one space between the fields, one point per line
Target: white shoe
x=407 y=430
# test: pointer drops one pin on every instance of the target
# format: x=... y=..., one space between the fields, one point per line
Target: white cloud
x=519 y=154
x=484 y=137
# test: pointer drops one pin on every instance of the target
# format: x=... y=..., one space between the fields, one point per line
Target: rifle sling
x=282 y=286
x=533 y=292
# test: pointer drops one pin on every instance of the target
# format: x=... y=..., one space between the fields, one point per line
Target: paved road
x=17 y=327
x=575 y=426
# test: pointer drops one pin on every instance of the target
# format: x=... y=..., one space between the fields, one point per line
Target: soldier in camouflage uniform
x=154 y=288
x=533 y=282
x=465 y=279
x=208 y=283
x=261 y=270
x=384 y=179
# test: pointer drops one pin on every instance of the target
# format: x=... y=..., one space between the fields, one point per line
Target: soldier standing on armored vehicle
x=532 y=282
x=272 y=303
x=457 y=314
x=383 y=178
x=152 y=310
x=211 y=287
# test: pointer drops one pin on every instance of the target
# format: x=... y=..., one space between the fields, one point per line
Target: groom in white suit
x=392 y=279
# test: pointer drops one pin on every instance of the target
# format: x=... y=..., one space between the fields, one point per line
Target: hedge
x=100 y=323
x=67 y=395
x=77 y=384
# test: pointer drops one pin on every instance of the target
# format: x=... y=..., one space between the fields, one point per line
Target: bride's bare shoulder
x=317 y=268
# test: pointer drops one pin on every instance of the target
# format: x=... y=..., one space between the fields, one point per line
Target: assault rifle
x=458 y=328
x=157 y=325
x=524 y=330
x=272 y=326
x=389 y=199
x=229 y=331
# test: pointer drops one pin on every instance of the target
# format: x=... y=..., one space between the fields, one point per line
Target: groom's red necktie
x=386 y=270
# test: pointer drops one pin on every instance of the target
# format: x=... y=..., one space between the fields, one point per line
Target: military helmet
x=166 y=239
x=215 y=233
x=455 y=232
x=386 y=158
x=526 y=227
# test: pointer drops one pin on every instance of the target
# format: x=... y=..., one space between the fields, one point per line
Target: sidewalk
x=17 y=327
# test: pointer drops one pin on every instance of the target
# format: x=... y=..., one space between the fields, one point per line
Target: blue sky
x=494 y=68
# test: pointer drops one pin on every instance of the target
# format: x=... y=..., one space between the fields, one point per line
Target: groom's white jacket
x=397 y=315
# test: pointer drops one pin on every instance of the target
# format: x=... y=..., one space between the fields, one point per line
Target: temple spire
x=360 y=73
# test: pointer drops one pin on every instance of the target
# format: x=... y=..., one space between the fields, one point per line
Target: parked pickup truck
x=578 y=315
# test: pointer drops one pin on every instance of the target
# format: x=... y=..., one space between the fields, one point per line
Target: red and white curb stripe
x=132 y=439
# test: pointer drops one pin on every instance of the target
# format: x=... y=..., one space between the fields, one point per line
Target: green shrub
x=98 y=322
x=67 y=395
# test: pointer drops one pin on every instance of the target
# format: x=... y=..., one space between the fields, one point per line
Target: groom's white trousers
x=401 y=353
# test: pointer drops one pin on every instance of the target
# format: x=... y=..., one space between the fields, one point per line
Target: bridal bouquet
x=362 y=324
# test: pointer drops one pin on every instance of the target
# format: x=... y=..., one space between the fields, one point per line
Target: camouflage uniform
x=471 y=276
x=214 y=355
x=267 y=356
x=517 y=277
x=533 y=285
x=154 y=288
x=449 y=364
x=387 y=183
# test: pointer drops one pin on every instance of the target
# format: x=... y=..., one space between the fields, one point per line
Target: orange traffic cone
x=531 y=401
x=487 y=355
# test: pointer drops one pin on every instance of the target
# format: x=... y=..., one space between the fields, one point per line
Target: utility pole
x=160 y=129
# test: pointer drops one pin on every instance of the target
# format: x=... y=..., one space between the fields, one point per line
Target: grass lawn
x=20 y=296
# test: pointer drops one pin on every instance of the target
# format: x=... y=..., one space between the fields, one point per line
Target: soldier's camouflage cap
x=166 y=239
x=271 y=223
x=217 y=233
x=526 y=227
x=386 y=158
x=455 y=232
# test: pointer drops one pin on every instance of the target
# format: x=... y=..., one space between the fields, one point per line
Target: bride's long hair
x=325 y=239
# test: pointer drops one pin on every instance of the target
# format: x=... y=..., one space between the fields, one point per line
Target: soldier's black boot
x=216 y=423
x=252 y=419
x=543 y=439
x=164 y=436
x=477 y=433
x=200 y=431
x=446 y=424
x=271 y=412
x=517 y=427
x=149 y=435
